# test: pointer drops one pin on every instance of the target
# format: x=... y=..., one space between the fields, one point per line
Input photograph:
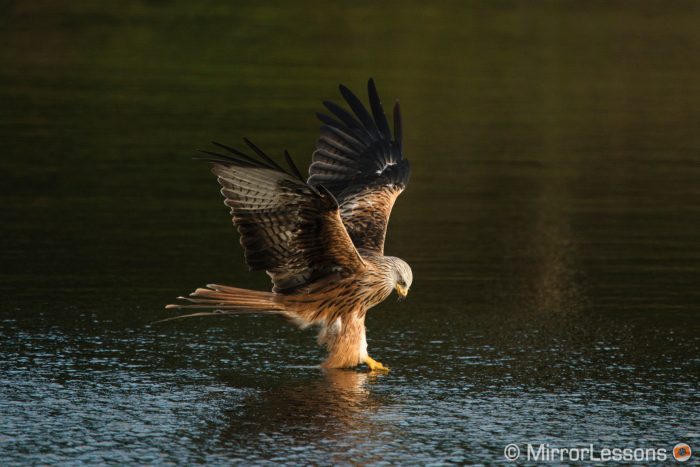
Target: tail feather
x=225 y=300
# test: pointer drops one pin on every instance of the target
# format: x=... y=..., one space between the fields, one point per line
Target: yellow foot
x=375 y=365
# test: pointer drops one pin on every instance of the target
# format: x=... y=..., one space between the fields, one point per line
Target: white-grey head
x=403 y=276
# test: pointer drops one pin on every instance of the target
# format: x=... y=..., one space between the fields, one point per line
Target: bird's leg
x=375 y=365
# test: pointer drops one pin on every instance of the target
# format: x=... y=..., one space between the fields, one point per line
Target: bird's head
x=403 y=277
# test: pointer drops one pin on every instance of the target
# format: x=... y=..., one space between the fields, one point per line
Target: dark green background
x=552 y=223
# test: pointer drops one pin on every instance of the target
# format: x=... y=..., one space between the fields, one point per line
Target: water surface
x=552 y=223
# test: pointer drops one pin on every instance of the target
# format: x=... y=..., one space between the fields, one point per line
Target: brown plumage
x=320 y=240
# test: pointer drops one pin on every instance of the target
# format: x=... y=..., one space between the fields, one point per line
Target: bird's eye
x=402 y=283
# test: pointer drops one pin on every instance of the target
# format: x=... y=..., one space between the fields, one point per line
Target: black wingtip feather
x=244 y=160
x=359 y=109
x=377 y=109
x=346 y=117
x=236 y=152
x=328 y=120
x=262 y=154
x=224 y=159
x=292 y=166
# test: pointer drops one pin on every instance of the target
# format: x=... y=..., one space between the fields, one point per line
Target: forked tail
x=222 y=299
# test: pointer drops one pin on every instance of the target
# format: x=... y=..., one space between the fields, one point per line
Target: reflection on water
x=334 y=407
x=331 y=405
x=551 y=223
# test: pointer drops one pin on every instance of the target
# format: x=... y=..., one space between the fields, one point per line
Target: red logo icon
x=681 y=452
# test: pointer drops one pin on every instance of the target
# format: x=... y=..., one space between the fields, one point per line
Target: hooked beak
x=402 y=291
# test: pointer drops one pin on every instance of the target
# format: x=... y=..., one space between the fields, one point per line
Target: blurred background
x=552 y=222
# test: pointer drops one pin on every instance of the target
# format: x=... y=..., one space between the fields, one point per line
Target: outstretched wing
x=359 y=160
x=288 y=228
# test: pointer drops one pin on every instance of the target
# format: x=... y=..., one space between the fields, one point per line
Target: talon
x=375 y=365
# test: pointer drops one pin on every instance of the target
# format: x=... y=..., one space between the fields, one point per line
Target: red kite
x=321 y=239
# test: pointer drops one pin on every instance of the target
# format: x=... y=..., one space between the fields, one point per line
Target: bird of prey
x=321 y=239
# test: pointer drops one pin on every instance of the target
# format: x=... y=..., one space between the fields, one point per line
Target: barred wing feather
x=288 y=228
x=360 y=161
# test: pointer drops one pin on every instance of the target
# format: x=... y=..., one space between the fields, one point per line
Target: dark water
x=552 y=223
